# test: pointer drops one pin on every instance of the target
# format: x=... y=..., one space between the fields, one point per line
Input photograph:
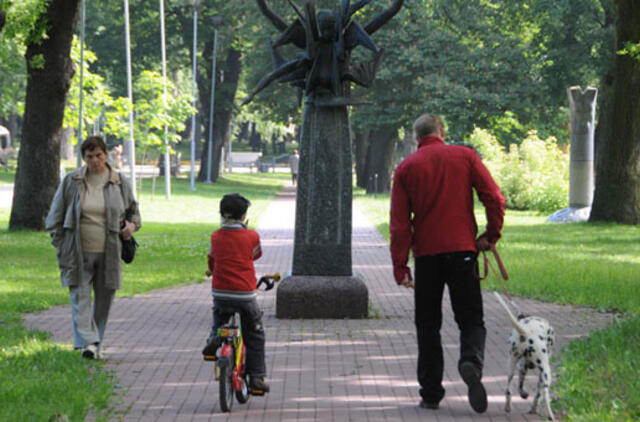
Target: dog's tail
x=512 y=318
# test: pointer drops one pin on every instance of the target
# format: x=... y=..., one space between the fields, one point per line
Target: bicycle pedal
x=210 y=358
x=257 y=392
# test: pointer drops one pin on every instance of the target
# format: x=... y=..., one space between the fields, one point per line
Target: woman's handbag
x=129 y=249
x=128 y=246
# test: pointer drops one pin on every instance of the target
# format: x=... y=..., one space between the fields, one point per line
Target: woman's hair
x=427 y=124
x=93 y=142
x=233 y=206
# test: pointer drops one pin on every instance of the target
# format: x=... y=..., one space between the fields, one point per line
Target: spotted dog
x=531 y=341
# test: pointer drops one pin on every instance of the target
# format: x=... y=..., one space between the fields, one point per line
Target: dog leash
x=503 y=270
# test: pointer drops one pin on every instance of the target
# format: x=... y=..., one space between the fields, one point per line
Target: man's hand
x=407 y=282
x=482 y=243
x=128 y=230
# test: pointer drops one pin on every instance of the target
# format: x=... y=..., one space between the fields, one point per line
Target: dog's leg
x=534 y=406
x=513 y=361
x=545 y=374
x=522 y=372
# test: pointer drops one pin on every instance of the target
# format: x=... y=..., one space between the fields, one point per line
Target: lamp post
x=217 y=21
x=167 y=156
x=79 y=150
x=132 y=145
x=196 y=3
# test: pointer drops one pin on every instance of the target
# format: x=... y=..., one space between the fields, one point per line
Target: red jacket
x=233 y=250
x=432 y=203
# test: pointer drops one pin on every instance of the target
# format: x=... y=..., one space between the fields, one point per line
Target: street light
x=217 y=21
x=196 y=3
x=167 y=155
x=132 y=145
x=82 y=29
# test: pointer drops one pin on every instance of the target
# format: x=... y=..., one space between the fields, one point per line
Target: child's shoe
x=209 y=351
x=258 y=386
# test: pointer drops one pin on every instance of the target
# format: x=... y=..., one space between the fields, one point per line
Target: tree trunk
x=223 y=107
x=361 y=145
x=38 y=174
x=617 y=191
x=2 y=18
x=380 y=159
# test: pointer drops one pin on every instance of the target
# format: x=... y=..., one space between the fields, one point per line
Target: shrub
x=533 y=176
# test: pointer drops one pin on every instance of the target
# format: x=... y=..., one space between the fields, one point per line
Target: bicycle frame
x=233 y=347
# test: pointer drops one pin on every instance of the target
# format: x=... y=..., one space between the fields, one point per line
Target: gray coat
x=63 y=223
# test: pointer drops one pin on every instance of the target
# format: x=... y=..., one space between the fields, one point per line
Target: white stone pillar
x=582 y=104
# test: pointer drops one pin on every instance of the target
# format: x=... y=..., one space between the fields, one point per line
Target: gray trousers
x=90 y=320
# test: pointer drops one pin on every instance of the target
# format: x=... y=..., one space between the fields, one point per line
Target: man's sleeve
x=491 y=198
x=400 y=229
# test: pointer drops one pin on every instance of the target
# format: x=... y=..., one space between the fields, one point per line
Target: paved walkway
x=319 y=370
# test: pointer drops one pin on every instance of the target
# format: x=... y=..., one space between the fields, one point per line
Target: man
x=432 y=214
x=294 y=163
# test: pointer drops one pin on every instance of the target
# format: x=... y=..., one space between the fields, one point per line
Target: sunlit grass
x=596 y=265
x=40 y=378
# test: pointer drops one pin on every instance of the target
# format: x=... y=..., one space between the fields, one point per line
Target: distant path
x=319 y=370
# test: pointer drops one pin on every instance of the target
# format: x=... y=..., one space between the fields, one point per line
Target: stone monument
x=582 y=104
x=322 y=284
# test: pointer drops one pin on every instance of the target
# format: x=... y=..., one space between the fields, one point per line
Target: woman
x=92 y=210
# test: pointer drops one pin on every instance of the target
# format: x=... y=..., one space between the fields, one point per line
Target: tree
x=617 y=190
x=151 y=114
x=50 y=70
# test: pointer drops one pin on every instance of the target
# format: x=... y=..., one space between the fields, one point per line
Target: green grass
x=595 y=265
x=6 y=177
x=40 y=378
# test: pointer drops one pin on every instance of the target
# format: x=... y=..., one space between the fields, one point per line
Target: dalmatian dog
x=531 y=341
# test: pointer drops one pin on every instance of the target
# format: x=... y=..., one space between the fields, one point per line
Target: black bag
x=128 y=246
x=129 y=249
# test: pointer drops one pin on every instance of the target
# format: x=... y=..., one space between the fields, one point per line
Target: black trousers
x=457 y=271
x=252 y=330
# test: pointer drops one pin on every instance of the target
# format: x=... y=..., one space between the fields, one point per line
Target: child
x=233 y=250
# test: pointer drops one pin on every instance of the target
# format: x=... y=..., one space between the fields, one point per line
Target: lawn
x=595 y=265
x=36 y=372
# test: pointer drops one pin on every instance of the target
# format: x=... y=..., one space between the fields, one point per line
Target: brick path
x=329 y=370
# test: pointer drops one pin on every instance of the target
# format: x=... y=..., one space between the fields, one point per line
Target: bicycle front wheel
x=226 y=389
x=242 y=395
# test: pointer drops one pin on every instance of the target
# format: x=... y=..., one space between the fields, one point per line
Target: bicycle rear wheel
x=226 y=389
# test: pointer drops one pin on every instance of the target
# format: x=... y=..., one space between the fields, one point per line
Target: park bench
x=245 y=159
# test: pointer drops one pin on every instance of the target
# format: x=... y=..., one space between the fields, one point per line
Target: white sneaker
x=90 y=352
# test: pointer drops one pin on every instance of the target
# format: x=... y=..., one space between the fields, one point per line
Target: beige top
x=93 y=229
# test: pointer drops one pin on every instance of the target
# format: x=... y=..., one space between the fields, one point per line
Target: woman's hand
x=128 y=230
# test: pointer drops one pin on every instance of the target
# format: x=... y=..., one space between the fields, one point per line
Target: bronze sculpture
x=327 y=39
x=323 y=72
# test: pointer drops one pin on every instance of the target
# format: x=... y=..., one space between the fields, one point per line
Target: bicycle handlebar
x=269 y=280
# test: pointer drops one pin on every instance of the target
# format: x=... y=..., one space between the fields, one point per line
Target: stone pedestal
x=323 y=200
x=322 y=297
x=322 y=285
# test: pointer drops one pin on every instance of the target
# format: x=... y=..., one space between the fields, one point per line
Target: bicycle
x=231 y=356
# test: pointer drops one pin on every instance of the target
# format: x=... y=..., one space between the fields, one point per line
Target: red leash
x=503 y=270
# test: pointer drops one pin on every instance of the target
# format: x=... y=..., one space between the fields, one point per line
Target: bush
x=532 y=176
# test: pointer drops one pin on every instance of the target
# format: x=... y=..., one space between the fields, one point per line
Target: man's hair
x=93 y=142
x=233 y=205
x=427 y=124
